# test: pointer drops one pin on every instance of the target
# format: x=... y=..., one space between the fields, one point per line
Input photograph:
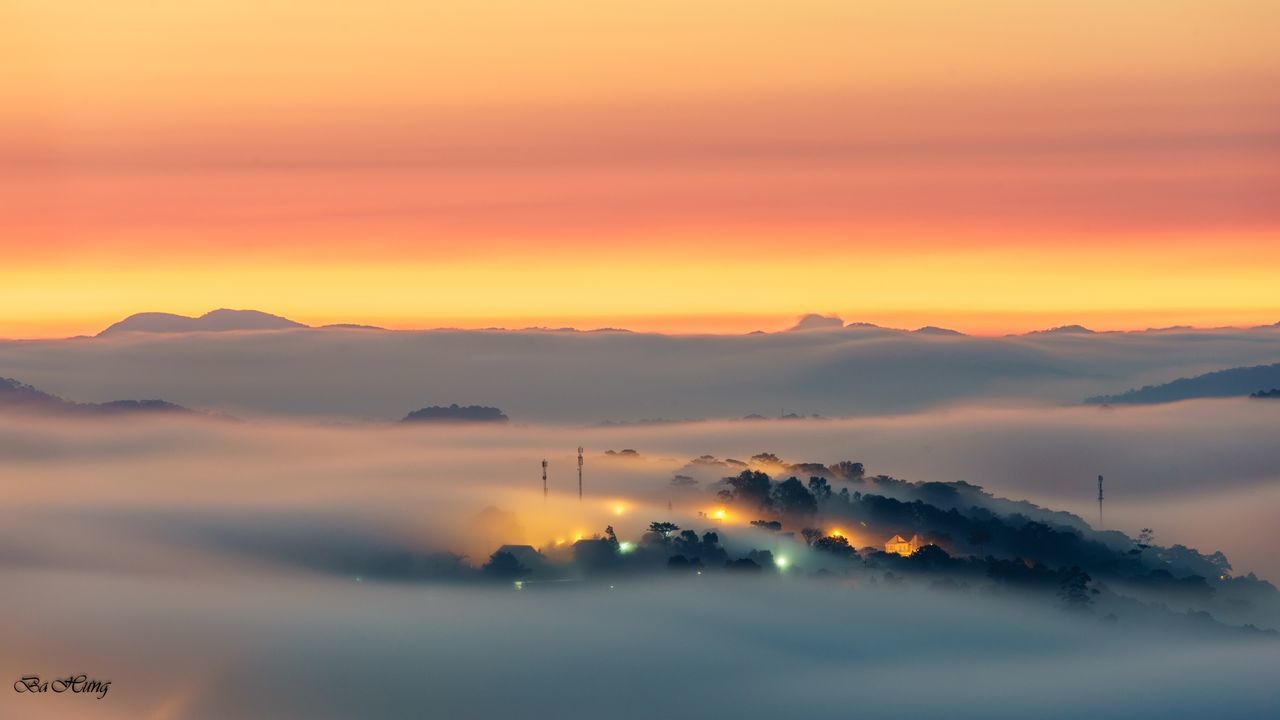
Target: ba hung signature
x=75 y=684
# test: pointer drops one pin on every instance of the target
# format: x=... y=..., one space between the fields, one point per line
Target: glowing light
x=519 y=584
x=719 y=514
x=559 y=542
x=619 y=508
x=782 y=562
x=626 y=547
x=837 y=533
x=577 y=536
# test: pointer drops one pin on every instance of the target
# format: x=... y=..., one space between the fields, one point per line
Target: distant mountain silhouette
x=814 y=321
x=25 y=398
x=456 y=413
x=220 y=320
x=871 y=326
x=934 y=330
x=1064 y=330
x=1272 y=394
x=1235 y=382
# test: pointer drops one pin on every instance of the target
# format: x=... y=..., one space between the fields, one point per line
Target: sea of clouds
x=213 y=569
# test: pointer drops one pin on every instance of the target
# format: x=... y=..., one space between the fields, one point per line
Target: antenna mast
x=1099 y=502
x=544 y=478
x=579 y=473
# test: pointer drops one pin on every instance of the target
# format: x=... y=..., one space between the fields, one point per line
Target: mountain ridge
x=15 y=395
x=229 y=320
x=1231 y=382
x=220 y=320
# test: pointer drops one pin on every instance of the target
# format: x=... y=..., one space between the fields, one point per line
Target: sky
x=988 y=165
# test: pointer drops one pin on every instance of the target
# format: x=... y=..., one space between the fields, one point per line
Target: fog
x=1200 y=473
x=218 y=569
x=590 y=377
x=753 y=648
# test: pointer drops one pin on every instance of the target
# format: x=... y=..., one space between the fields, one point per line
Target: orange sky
x=989 y=165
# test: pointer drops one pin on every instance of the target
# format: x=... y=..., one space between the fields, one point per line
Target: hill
x=455 y=413
x=1233 y=382
x=221 y=320
x=25 y=398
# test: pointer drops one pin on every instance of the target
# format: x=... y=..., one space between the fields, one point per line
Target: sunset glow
x=663 y=169
x=682 y=358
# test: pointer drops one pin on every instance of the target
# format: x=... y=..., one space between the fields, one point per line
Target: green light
x=626 y=547
x=782 y=562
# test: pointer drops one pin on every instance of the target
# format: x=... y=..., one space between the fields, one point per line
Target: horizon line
x=679 y=325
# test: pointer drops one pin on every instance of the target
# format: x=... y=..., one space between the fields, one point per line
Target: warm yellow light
x=577 y=536
x=619 y=508
x=837 y=533
x=719 y=514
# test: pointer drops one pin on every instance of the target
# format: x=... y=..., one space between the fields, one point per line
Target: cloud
x=224 y=570
x=750 y=649
x=1199 y=472
x=818 y=322
x=576 y=377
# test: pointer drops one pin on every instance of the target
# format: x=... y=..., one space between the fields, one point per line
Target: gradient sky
x=990 y=165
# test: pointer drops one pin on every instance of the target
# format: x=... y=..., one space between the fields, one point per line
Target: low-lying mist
x=542 y=376
x=1200 y=473
x=214 y=569
x=691 y=647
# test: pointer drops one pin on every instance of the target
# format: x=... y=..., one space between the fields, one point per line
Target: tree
x=978 y=537
x=687 y=543
x=835 y=545
x=770 y=525
x=846 y=470
x=750 y=487
x=790 y=497
x=820 y=489
x=1145 y=537
x=663 y=529
x=710 y=549
x=742 y=565
x=810 y=535
x=1074 y=590
x=930 y=556
x=610 y=535
x=503 y=565
x=680 y=563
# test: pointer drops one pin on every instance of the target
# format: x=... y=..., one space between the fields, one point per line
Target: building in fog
x=903 y=547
